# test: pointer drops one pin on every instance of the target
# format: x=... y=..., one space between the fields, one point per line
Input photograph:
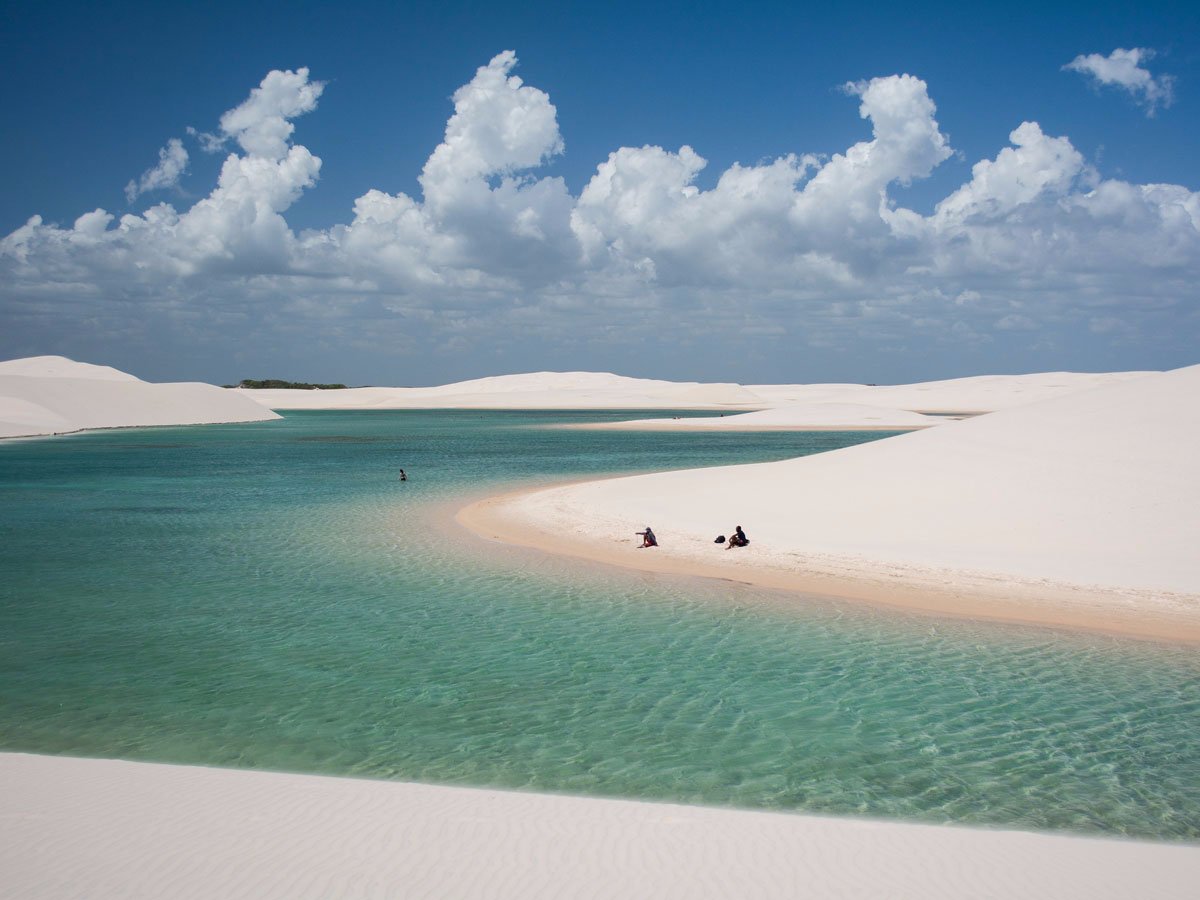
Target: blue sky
x=1059 y=258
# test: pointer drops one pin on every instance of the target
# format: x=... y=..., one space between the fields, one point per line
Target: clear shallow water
x=269 y=596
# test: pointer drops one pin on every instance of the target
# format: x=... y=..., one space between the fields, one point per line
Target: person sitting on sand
x=738 y=538
x=648 y=538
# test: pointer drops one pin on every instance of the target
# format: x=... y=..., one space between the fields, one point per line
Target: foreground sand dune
x=105 y=828
x=1077 y=509
x=52 y=395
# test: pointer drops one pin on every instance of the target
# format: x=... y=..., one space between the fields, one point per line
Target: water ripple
x=272 y=598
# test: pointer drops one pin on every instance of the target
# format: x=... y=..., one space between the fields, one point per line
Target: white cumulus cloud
x=262 y=123
x=172 y=163
x=483 y=222
x=1035 y=167
x=1123 y=69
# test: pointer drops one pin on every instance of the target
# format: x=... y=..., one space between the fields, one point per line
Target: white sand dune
x=602 y=390
x=802 y=417
x=53 y=395
x=535 y=390
x=976 y=394
x=1095 y=492
x=61 y=367
x=104 y=828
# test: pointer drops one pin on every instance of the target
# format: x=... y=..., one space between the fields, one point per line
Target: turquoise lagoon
x=270 y=596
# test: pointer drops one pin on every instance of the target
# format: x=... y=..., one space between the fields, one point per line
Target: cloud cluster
x=813 y=250
x=483 y=224
x=238 y=227
x=1123 y=69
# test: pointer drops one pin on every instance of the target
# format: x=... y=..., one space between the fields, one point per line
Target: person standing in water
x=403 y=476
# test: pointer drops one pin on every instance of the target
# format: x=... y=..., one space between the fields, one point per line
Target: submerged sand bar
x=1077 y=511
x=107 y=828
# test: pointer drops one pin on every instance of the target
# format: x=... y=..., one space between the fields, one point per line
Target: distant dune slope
x=61 y=367
x=53 y=395
x=603 y=390
x=535 y=390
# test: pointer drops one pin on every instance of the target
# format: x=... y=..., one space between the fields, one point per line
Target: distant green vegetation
x=291 y=385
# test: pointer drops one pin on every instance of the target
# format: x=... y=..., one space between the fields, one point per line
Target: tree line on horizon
x=289 y=385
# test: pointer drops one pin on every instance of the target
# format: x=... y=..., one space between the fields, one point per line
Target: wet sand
x=940 y=593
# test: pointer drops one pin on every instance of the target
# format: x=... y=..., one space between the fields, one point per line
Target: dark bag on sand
x=720 y=539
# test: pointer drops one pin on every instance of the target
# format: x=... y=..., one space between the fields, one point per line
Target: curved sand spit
x=105 y=828
x=45 y=395
x=1079 y=510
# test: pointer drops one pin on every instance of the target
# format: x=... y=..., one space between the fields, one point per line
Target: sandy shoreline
x=940 y=593
x=647 y=426
x=109 y=828
x=819 y=416
x=1075 y=511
